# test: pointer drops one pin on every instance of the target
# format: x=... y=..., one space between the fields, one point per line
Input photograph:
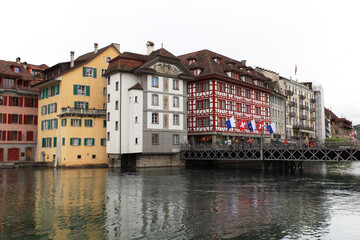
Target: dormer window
x=217 y=60
x=190 y=61
x=16 y=69
x=196 y=72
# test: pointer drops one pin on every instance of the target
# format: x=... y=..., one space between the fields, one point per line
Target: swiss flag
x=242 y=124
x=260 y=125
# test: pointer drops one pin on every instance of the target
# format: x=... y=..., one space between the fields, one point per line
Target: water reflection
x=175 y=203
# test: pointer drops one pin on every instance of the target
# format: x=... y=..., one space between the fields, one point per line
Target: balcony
x=81 y=112
x=312 y=109
x=297 y=126
x=312 y=100
x=292 y=104
x=309 y=128
x=289 y=92
x=302 y=106
x=302 y=96
x=303 y=117
x=313 y=119
x=292 y=114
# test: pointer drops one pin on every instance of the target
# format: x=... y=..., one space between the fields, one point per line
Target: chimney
x=149 y=47
x=72 y=53
x=18 y=60
x=95 y=48
x=25 y=65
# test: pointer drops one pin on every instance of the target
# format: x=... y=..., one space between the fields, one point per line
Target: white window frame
x=176 y=102
x=176 y=119
x=155 y=118
x=155 y=100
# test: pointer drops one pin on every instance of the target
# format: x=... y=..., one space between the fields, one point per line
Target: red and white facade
x=224 y=88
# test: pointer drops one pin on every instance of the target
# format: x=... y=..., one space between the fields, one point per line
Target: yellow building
x=72 y=110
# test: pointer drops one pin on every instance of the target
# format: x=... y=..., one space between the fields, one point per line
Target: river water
x=323 y=202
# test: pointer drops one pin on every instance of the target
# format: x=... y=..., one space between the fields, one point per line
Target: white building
x=146 y=108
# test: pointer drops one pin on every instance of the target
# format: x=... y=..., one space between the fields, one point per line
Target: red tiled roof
x=137 y=86
x=6 y=70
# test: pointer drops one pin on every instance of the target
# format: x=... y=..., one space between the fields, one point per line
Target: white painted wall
x=135 y=127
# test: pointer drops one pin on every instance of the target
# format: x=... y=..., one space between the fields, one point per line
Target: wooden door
x=1 y=154
x=13 y=154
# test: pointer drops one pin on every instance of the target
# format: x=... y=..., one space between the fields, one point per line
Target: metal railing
x=83 y=112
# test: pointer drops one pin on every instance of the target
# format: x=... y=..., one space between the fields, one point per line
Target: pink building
x=18 y=110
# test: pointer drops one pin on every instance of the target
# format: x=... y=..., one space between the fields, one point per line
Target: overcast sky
x=322 y=37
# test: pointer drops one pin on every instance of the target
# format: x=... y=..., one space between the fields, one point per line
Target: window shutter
x=42 y=125
x=52 y=90
x=75 y=90
x=55 y=107
x=50 y=142
x=79 y=141
x=75 y=105
x=93 y=141
x=40 y=95
x=20 y=118
x=63 y=141
x=19 y=135
x=80 y=122
x=8 y=135
x=25 y=119
x=56 y=123
x=35 y=120
x=71 y=141
x=9 y=118
x=4 y=136
x=94 y=75
x=50 y=124
x=46 y=93
x=48 y=109
x=104 y=123
x=84 y=71
x=87 y=90
x=55 y=141
x=86 y=105
x=57 y=91
x=21 y=101
x=43 y=142
x=91 y=123
x=72 y=122
x=25 y=102
x=10 y=100
x=5 y=100
x=36 y=103
x=4 y=118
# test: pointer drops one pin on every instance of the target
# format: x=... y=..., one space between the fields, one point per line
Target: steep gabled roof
x=6 y=70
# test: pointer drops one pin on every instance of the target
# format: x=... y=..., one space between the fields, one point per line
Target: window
x=9 y=83
x=155 y=139
x=46 y=142
x=155 y=100
x=136 y=100
x=206 y=121
x=196 y=72
x=155 y=118
x=15 y=101
x=175 y=101
x=176 y=84
x=116 y=105
x=176 y=119
x=54 y=123
x=258 y=111
x=176 y=138
x=1 y=100
x=89 y=72
x=81 y=90
x=102 y=142
x=75 y=122
x=88 y=122
x=221 y=87
x=63 y=122
x=108 y=98
x=63 y=141
x=199 y=122
x=108 y=136
x=206 y=104
x=217 y=60
x=108 y=116
x=199 y=104
x=247 y=93
x=104 y=123
x=108 y=59
x=257 y=95
x=116 y=125
x=104 y=91
x=238 y=107
x=29 y=102
x=103 y=72
x=81 y=105
x=136 y=140
x=117 y=86
x=14 y=118
x=75 y=141
x=108 y=81
x=89 y=141
x=136 y=119
x=248 y=108
x=155 y=82
x=52 y=108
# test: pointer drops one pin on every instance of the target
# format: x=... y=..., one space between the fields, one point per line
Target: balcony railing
x=298 y=126
x=302 y=106
x=302 y=96
x=312 y=109
x=18 y=88
x=289 y=92
x=292 y=104
x=303 y=117
x=81 y=112
x=313 y=100
x=292 y=114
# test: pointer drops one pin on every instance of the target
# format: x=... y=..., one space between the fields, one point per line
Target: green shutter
x=84 y=71
x=55 y=107
x=50 y=124
x=43 y=142
x=46 y=92
x=63 y=141
x=72 y=122
x=104 y=123
x=55 y=141
x=42 y=125
x=91 y=122
x=71 y=141
x=79 y=141
x=75 y=89
x=94 y=76
x=75 y=105
x=87 y=90
x=80 y=122
x=48 y=109
x=56 y=123
x=52 y=90
x=57 y=91
x=92 y=142
x=86 y=105
x=50 y=142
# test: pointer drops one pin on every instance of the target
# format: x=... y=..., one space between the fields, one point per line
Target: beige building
x=337 y=127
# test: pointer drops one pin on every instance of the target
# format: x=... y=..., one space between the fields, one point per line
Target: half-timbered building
x=224 y=88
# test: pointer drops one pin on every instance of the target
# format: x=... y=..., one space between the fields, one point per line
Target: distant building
x=320 y=131
x=18 y=109
x=277 y=103
x=224 y=88
x=146 y=108
x=337 y=127
x=72 y=110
